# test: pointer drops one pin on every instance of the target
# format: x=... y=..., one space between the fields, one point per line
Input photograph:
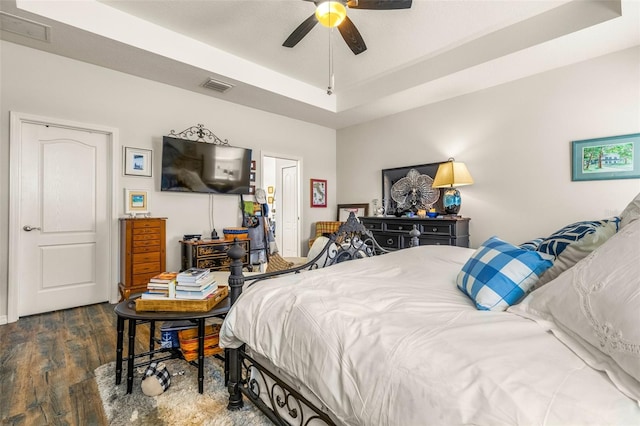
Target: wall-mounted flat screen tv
x=189 y=166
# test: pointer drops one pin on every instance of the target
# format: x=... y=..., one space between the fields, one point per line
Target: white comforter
x=390 y=340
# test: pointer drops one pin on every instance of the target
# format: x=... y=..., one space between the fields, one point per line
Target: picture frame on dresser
x=136 y=202
x=391 y=176
x=361 y=209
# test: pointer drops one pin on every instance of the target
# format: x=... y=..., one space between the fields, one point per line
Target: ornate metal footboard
x=244 y=375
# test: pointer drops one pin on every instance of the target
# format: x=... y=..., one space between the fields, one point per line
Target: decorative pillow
x=631 y=212
x=499 y=274
x=531 y=245
x=555 y=243
x=316 y=248
x=594 y=308
x=578 y=250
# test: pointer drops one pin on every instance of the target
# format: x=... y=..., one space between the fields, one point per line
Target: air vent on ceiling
x=17 y=25
x=217 y=85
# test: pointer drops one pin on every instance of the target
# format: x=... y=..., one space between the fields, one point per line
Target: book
x=163 y=277
x=181 y=287
x=155 y=296
x=196 y=295
x=207 y=279
x=192 y=275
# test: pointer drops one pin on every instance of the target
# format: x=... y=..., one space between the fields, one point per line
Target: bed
x=414 y=337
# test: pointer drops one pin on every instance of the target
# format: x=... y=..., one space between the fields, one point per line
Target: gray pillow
x=631 y=212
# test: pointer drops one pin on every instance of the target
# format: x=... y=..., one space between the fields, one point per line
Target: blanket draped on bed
x=390 y=340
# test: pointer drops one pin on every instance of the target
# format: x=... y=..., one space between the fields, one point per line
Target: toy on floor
x=156 y=380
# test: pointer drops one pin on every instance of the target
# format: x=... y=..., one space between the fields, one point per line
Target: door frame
x=299 y=197
x=15 y=149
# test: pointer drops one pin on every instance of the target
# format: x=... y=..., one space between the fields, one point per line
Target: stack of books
x=195 y=284
x=161 y=286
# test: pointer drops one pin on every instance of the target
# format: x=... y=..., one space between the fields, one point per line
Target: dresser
x=211 y=254
x=142 y=253
x=393 y=232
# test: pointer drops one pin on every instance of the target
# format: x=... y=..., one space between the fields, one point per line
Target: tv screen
x=189 y=166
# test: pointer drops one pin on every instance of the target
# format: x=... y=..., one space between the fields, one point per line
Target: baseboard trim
x=3 y=319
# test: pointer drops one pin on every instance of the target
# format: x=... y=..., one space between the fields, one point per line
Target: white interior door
x=289 y=212
x=63 y=245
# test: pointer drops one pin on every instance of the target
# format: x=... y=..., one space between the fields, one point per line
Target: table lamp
x=451 y=174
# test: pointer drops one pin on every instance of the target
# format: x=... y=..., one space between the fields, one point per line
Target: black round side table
x=126 y=310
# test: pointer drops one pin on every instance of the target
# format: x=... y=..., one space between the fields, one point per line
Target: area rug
x=180 y=404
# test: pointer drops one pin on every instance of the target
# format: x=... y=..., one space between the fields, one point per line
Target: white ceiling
x=435 y=50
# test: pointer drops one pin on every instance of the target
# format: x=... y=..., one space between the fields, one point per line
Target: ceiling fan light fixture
x=331 y=13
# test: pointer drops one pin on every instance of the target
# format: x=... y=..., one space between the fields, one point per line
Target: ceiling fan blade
x=379 y=4
x=302 y=30
x=352 y=36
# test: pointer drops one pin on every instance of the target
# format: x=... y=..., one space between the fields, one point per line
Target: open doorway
x=281 y=182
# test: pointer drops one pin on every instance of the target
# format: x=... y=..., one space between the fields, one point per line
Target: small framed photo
x=270 y=200
x=613 y=157
x=136 y=201
x=137 y=162
x=318 y=193
x=345 y=209
x=252 y=189
x=252 y=176
x=270 y=190
x=253 y=164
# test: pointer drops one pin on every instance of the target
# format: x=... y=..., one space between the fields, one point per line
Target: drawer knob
x=435 y=229
x=390 y=241
x=400 y=228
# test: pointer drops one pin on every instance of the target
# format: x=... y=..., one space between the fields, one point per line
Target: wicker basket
x=189 y=342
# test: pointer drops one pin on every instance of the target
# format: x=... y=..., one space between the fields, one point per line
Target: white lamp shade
x=452 y=174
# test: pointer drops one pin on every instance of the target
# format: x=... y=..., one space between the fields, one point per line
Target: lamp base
x=451 y=201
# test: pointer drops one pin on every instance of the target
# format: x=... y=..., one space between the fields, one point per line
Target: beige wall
x=516 y=142
x=38 y=83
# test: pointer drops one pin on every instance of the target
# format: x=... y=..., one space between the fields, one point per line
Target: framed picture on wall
x=136 y=201
x=613 y=157
x=391 y=176
x=318 y=193
x=137 y=162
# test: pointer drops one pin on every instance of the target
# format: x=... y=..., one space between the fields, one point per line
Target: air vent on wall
x=17 y=25
x=218 y=86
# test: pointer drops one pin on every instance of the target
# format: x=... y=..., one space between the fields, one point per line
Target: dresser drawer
x=146 y=248
x=373 y=226
x=143 y=224
x=143 y=278
x=147 y=257
x=141 y=268
x=142 y=232
x=437 y=228
x=391 y=241
x=436 y=241
x=399 y=226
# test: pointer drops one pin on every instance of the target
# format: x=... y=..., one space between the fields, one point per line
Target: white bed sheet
x=390 y=340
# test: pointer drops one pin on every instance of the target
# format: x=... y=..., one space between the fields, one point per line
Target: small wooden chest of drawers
x=142 y=253
x=211 y=254
x=393 y=232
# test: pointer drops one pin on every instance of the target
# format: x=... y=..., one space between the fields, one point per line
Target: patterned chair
x=325 y=228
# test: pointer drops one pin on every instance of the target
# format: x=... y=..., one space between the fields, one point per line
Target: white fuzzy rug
x=180 y=404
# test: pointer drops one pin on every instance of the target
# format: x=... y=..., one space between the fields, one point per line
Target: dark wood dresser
x=393 y=232
x=142 y=253
x=211 y=254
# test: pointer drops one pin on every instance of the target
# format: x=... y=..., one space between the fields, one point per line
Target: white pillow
x=594 y=308
x=317 y=247
x=631 y=212
x=577 y=251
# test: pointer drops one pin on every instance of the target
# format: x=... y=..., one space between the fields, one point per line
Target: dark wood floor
x=47 y=363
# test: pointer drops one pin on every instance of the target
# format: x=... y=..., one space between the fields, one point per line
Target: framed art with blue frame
x=613 y=157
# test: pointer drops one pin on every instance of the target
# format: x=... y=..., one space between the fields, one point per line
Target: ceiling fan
x=334 y=14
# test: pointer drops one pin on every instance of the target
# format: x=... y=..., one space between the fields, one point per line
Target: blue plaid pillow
x=557 y=242
x=499 y=274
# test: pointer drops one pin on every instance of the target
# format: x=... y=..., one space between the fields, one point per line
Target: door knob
x=29 y=228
